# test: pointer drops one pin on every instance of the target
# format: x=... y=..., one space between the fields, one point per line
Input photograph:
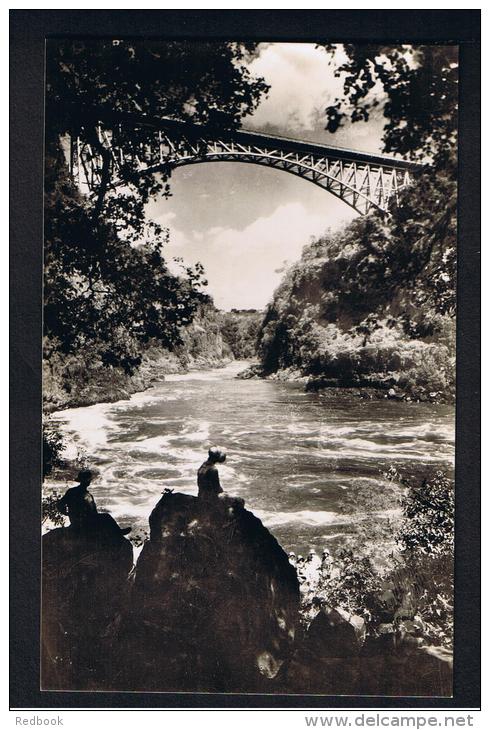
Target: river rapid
x=310 y=465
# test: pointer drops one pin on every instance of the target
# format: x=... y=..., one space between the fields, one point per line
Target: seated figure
x=208 y=477
x=81 y=509
x=79 y=504
x=209 y=488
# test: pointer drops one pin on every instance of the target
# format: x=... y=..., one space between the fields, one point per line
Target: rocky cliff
x=340 y=319
x=82 y=379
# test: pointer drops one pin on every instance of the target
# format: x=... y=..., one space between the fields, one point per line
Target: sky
x=247 y=223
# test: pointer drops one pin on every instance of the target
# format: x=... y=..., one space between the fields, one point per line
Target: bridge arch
x=346 y=192
x=361 y=180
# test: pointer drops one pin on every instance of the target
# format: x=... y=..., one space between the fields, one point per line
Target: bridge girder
x=364 y=182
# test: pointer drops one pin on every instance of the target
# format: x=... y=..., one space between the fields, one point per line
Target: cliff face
x=336 y=319
x=203 y=342
x=82 y=379
x=240 y=328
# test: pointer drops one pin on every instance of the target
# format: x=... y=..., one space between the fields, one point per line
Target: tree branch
x=105 y=174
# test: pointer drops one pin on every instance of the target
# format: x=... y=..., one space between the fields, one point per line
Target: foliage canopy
x=107 y=285
x=203 y=82
x=420 y=86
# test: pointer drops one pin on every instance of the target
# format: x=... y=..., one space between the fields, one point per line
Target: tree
x=203 y=82
x=420 y=85
x=103 y=291
x=420 y=103
x=106 y=281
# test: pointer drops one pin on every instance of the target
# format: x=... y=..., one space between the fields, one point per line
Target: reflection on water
x=296 y=458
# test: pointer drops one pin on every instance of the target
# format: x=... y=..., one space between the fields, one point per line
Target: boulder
x=214 y=604
x=85 y=585
x=332 y=634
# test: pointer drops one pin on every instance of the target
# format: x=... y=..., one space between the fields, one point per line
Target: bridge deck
x=246 y=136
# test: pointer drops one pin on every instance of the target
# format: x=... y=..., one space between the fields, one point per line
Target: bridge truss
x=363 y=181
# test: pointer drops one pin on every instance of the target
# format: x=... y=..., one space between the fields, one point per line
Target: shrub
x=50 y=510
x=53 y=446
x=419 y=582
x=428 y=510
x=356 y=587
x=425 y=576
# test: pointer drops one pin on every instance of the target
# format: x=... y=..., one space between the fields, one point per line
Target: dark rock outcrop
x=84 y=589
x=331 y=635
x=214 y=604
x=410 y=672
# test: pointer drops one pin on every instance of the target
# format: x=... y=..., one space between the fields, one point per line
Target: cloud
x=166 y=218
x=243 y=267
x=303 y=83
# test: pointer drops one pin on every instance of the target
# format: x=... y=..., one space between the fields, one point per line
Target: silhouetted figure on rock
x=79 y=504
x=208 y=477
x=85 y=587
x=81 y=509
x=211 y=492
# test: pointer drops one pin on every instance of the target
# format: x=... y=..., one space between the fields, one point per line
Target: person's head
x=311 y=555
x=216 y=455
x=292 y=556
x=325 y=553
x=84 y=477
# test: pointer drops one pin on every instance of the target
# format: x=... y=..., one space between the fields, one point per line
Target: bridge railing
x=363 y=181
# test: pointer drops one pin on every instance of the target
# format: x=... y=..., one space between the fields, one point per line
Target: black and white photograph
x=249 y=366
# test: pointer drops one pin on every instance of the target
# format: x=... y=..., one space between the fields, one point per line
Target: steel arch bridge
x=363 y=181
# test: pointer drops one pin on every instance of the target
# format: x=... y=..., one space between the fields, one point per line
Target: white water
x=303 y=462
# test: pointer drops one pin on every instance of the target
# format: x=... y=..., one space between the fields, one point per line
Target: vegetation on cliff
x=375 y=303
x=347 y=314
x=83 y=378
x=240 y=329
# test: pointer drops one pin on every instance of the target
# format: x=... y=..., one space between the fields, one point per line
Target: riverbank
x=107 y=384
x=212 y=340
x=368 y=388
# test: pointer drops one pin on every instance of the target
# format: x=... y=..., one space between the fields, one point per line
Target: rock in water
x=85 y=584
x=214 y=603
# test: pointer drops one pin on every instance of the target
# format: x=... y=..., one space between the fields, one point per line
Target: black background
x=28 y=32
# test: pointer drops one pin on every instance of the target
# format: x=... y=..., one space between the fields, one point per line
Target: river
x=310 y=465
